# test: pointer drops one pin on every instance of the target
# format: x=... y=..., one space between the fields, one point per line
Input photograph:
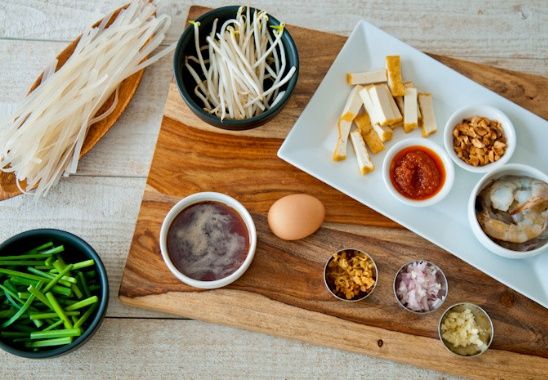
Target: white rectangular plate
x=310 y=143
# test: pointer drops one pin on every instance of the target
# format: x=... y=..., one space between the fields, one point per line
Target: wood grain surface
x=96 y=131
x=283 y=293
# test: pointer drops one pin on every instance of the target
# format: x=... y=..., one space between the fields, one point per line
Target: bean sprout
x=245 y=69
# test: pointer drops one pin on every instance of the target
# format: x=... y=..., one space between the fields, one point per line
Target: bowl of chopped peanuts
x=479 y=138
x=350 y=275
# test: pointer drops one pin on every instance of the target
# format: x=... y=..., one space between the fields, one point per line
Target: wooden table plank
x=458 y=28
x=159 y=349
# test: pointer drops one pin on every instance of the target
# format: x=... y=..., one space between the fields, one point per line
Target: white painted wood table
x=101 y=202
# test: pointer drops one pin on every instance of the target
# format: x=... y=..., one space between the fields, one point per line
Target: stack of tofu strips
x=379 y=102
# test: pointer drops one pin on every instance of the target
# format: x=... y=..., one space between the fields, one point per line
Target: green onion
x=83 y=264
x=55 y=334
x=57 y=278
x=77 y=292
x=49 y=342
x=23 y=281
x=38 y=294
x=83 y=303
x=49 y=244
x=53 y=325
x=83 y=283
x=46 y=315
x=20 y=263
x=55 y=306
x=15 y=273
x=49 y=261
x=19 y=313
x=67 y=292
x=85 y=316
x=65 y=280
x=10 y=293
x=23 y=295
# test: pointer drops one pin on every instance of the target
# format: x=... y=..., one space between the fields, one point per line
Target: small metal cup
x=442 y=278
x=353 y=299
x=476 y=310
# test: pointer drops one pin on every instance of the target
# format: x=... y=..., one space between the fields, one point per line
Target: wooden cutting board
x=283 y=292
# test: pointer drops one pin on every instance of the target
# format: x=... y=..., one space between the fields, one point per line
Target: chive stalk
x=55 y=333
x=83 y=303
x=49 y=342
x=58 y=310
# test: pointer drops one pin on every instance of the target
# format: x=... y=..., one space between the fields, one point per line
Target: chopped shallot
x=420 y=286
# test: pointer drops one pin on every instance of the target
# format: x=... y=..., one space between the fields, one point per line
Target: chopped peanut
x=479 y=141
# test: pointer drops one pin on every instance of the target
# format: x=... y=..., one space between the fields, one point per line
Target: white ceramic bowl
x=491 y=113
x=448 y=165
x=510 y=169
x=205 y=197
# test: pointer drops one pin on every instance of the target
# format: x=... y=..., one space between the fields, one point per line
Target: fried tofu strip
x=410 y=109
x=384 y=133
x=350 y=111
x=399 y=103
x=374 y=143
x=395 y=82
x=385 y=109
x=429 y=125
x=369 y=106
x=369 y=77
x=364 y=162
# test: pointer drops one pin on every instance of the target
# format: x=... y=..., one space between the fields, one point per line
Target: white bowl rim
x=480 y=110
x=447 y=163
x=205 y=197
x=476 y=227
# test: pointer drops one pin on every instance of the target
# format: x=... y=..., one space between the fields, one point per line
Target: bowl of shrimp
x=508 y=211
x=236 y=67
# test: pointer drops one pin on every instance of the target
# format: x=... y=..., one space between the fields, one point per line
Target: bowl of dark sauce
x=208 y=240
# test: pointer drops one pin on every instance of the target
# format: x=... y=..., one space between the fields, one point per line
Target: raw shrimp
x=515 y=194
x=526 y=226
x=514 y=209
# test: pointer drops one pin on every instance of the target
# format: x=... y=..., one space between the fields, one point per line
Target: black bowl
x=185 y=82
x=79 y=250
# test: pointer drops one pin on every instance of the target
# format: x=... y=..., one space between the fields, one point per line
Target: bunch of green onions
x=45 y=302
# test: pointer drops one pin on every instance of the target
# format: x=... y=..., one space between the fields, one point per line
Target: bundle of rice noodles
x=43 y=139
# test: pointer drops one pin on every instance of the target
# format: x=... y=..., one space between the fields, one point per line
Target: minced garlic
x=461 y=330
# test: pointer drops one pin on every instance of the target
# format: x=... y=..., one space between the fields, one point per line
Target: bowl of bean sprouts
x=236 y=67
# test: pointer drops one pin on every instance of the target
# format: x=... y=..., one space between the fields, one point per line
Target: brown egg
x=296 y=216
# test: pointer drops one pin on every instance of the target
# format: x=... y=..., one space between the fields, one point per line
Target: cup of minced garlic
x=466 y=329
